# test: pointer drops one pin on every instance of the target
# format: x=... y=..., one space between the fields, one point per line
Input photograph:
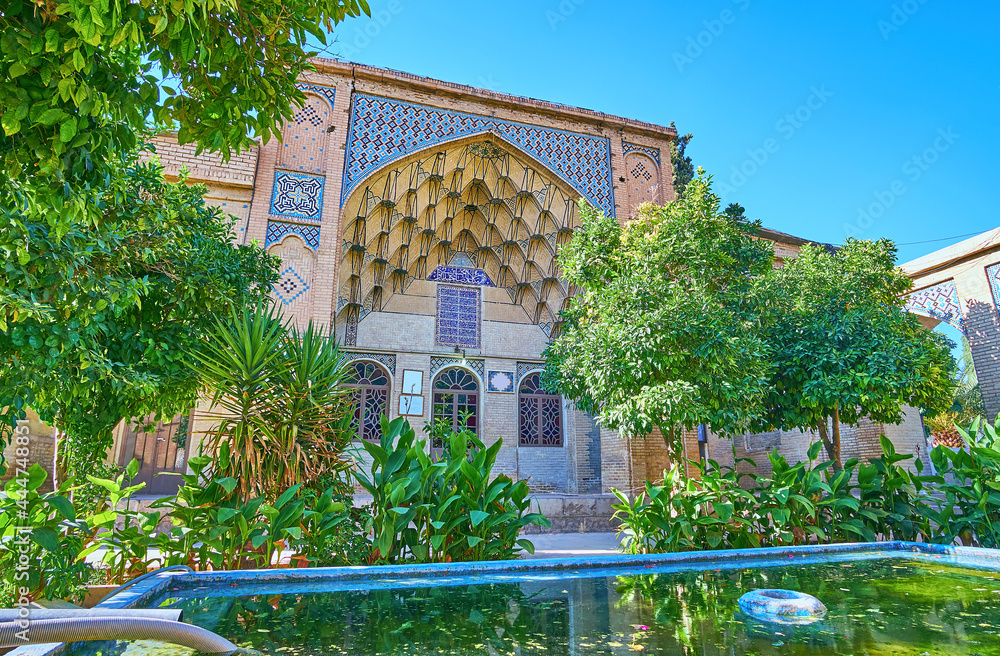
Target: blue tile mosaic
x=387 y=359
x=525 y=368
x=461 y=276
x=458 y=316
x=277 y=230
x=382 y=130
x=297 y=195
x=941 y=302
x=439 y=362
x=462 y=259
x=290 y=286
x=500 y=381
x=327 y=92
x=652 y=152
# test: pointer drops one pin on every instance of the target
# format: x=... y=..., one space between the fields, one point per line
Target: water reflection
x=875 y=607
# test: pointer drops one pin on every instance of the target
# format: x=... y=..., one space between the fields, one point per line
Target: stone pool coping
x=222 y=583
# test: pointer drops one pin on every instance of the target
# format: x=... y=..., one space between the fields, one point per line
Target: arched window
x=540 y=414
x=456 y=393
x=370 y=383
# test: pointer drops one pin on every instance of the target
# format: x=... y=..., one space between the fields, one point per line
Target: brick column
x=982 y=325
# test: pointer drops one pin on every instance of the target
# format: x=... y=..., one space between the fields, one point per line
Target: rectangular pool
x=888 y=598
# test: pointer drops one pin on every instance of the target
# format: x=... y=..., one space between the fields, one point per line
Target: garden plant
x=816 y=503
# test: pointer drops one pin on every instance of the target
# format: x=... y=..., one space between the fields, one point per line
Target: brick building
x=420 y=220
x=960 y=285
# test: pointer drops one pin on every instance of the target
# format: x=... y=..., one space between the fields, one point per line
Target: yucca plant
x=277 y=399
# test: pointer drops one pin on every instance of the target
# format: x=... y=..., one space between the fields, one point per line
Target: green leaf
x=228 y=484
x=63 y=506
x=52 y=116
x=67 y=130
x=102 y=519
x=478 y=517
x=46 y=538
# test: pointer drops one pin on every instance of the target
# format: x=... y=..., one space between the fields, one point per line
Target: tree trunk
x=673 y=438
x=824 y=435
x=838 y=464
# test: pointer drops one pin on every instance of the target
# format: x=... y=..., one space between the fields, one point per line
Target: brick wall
x=861 y=441
x=204 y=167
x=592 y=459
x=39 y=449
x=965 y=266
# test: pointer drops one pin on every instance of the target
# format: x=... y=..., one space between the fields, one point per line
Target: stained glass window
x=458 y=316
x=456 y=393
x=540 y=414
x=370 y=383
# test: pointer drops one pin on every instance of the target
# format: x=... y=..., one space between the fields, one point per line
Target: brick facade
x=386 y=186
x=959 y=284
x=39 y=449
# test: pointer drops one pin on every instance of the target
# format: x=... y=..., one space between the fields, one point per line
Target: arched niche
x=293 y=291
x=642 y=176
x=479 y=197
x=304 y=139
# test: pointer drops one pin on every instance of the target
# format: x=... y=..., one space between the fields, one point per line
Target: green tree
x=664 y=330
x=680 y=163
x=119 y=310
x=79 y=79
x=844 y=348
x=80 y=83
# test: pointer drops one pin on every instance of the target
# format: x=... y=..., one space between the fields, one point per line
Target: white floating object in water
x=782 y=606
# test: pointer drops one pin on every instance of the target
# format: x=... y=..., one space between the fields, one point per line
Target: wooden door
x=161 y=452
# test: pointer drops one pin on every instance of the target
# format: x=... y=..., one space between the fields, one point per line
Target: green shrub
x=812 y=503
x=348 y=544
x=283 y=410
x=442 y=509
x=970 y=510
x=43 y=531
x=214 y=528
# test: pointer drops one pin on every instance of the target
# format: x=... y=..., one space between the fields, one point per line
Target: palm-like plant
x=278 y=401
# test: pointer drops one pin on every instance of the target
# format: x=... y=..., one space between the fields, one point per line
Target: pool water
x=884 y=606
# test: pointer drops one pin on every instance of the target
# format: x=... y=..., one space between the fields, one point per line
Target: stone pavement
x=565 y=545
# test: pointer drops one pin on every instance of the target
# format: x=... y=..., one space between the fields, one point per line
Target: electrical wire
x=928 y=241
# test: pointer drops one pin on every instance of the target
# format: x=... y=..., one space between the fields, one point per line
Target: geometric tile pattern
x=351 y=332
x=940 y=302
x=500 y=381
x=326 y=92
x=652 y=152
x=525 y=368
x=382 y=130
x=386 y=359
x=308 y=115
x=277 y=230
x=458 y=320
x=993 y=275
x=290 y=286
x=297 y=195
x=461 y=275
x=439 y=362
x=640 y=171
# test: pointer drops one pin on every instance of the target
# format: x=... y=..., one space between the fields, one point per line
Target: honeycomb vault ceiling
x=484 y=199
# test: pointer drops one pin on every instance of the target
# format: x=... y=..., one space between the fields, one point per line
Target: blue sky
x=825 y=120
